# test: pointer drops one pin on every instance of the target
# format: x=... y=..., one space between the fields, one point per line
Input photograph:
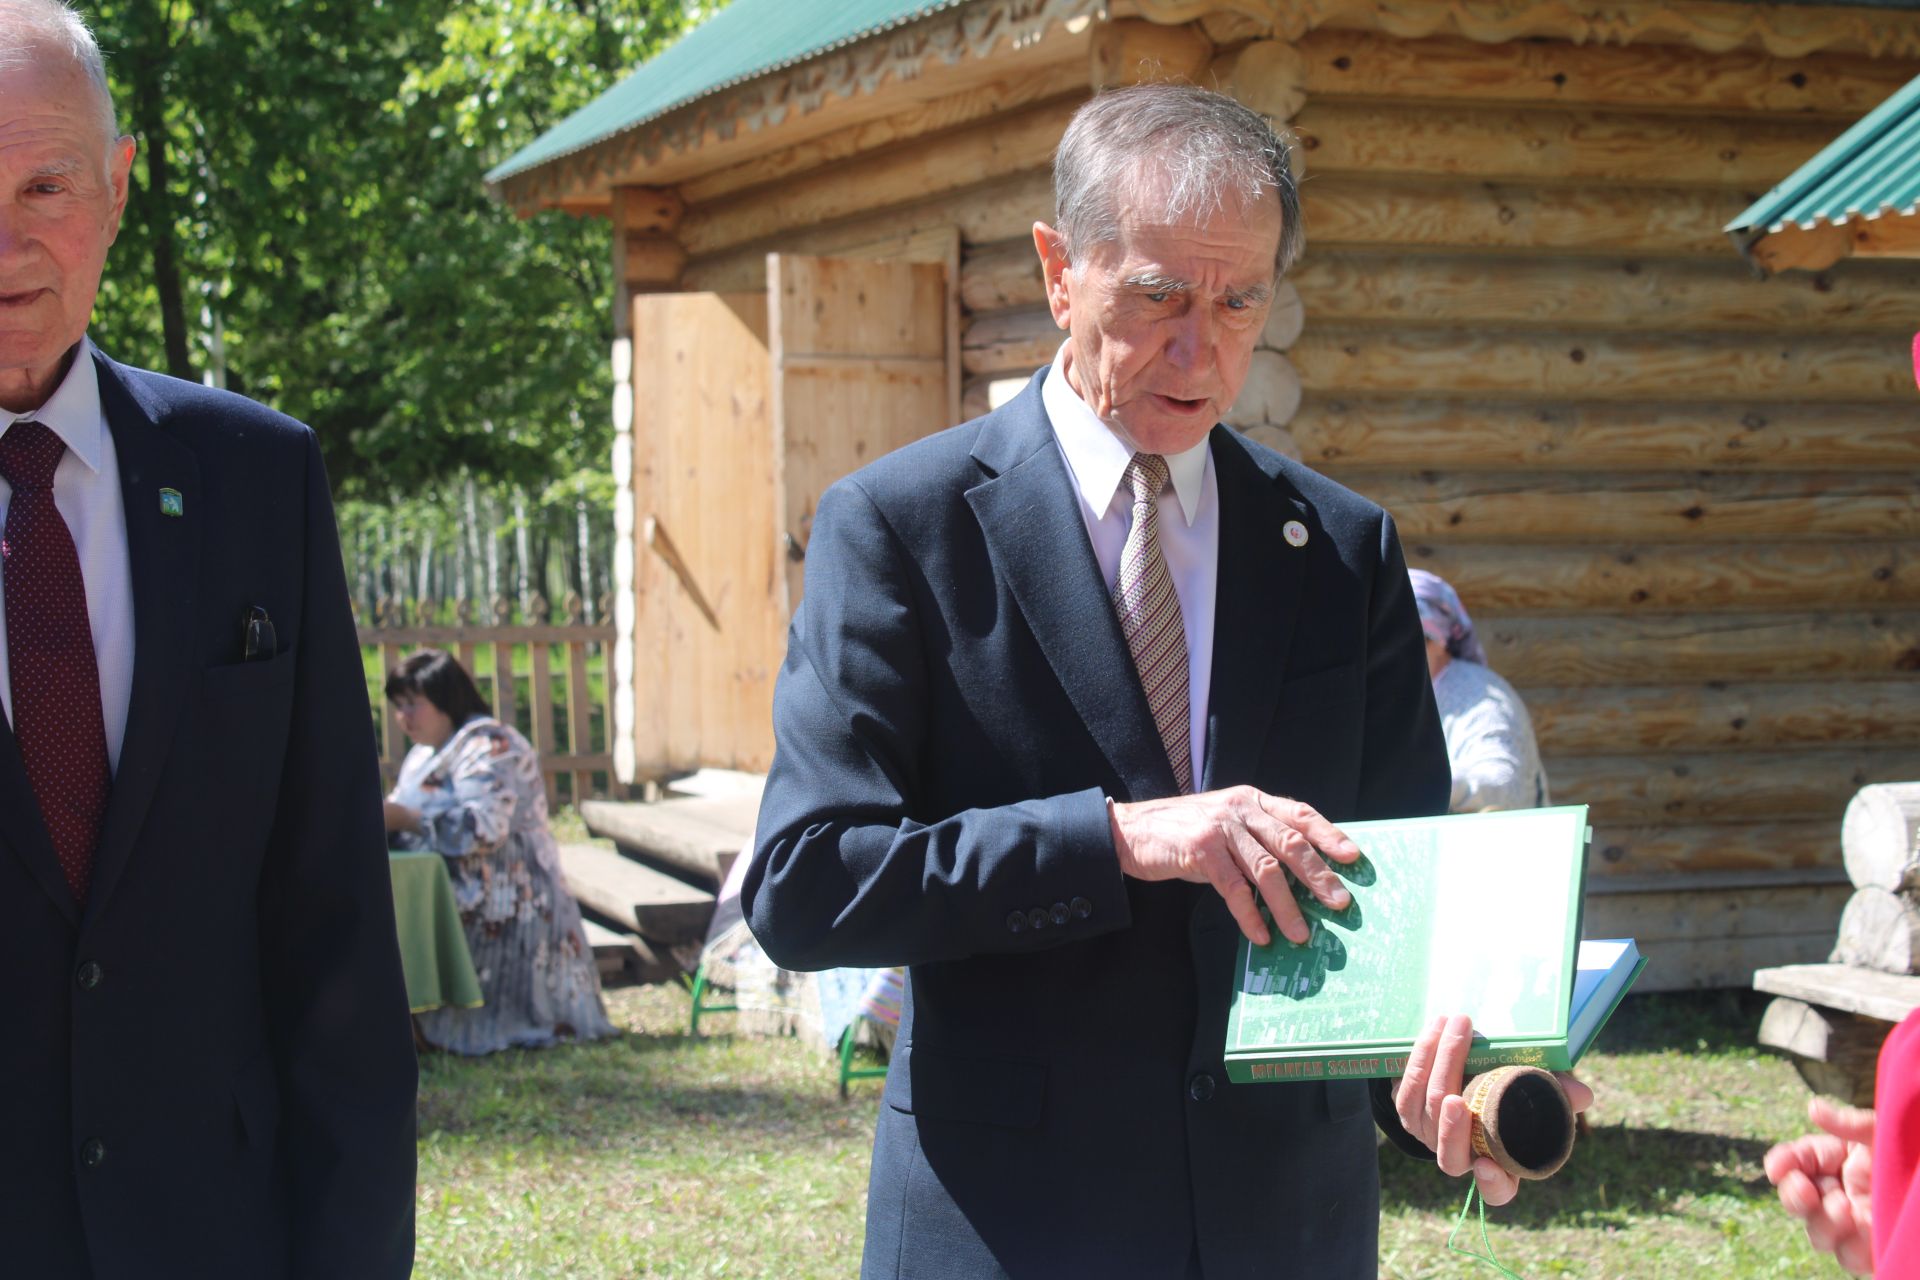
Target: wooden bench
x=1831 y=1020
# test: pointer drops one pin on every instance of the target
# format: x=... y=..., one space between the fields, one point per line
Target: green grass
x=658 y=1155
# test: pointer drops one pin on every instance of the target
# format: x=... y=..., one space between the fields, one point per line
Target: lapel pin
x=171 y=503
x=1295 y=533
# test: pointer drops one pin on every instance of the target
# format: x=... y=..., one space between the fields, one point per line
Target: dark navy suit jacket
x=956 y=705
x=208 y=1071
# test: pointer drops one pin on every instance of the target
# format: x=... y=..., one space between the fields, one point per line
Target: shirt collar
x=73 y=411
x=1098 y=458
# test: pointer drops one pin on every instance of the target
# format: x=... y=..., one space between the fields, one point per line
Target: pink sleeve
x=1896 y=1153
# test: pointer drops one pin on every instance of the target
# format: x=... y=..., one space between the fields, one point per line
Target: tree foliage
x=308 y=223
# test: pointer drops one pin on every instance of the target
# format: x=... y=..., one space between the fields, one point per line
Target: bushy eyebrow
x=1155 y=282
x=60 y=168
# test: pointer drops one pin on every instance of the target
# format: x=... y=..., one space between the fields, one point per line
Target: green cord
x=1473 y=1190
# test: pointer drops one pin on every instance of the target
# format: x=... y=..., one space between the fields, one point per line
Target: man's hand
x=1826 y=1181
x=1429 y=1102
x=1240 y=841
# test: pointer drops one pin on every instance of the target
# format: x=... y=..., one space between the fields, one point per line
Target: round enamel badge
x=1295 y=533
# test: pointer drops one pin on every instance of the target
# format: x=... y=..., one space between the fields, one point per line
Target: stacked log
x=1832 y=1018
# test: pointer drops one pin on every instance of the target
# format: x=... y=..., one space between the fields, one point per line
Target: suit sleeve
x=848 y=869
x=335 y=996
x=1405 y=773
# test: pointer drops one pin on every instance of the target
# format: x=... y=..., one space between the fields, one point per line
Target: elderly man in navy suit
x=1074 y=689
x=208 y=1068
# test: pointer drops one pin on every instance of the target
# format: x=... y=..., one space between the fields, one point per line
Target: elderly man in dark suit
x=208 y=1069
x=1071 y=690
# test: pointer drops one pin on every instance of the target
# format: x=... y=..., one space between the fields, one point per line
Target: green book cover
x=1470 y=913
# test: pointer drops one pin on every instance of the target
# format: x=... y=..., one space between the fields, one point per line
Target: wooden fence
x=558 y=692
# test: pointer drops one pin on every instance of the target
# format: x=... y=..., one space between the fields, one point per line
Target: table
x=433 y=946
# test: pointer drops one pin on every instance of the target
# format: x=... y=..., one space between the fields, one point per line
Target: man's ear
x=119 y=169
x=1052 y=248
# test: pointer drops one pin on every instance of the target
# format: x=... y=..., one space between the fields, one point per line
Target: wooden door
x=861 y=365
x=709 y=614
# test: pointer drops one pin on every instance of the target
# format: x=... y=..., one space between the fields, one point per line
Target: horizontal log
x=1702 y=964
x=994 y=277
x=1414 y=213
x=1132 y=51
x=1725 y=787
x=1583 y=294
x=990 y=150
x=1740 y=913
x=1576 y=294
x=1880 y=836
x=991 y=211
x=1009 y=341
x=1642 y=506
x=1267 y=75
x=1836 y=646
x=1607 y=366
x=1669 y=579
x=1401 y=431
x=1642 y=851
x=921 y=124
x=1880 y=930
x=1837 y=87
x=1548 y=144
x=1576 y=719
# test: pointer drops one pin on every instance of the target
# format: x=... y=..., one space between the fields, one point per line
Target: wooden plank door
x=709 y=613
x=861 y=365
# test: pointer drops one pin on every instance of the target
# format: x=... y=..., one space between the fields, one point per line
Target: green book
x=1471 y=913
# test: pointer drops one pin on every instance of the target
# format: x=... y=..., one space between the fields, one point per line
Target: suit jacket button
x=1200 y=1088
x=1081 y=908
x=1037 y=917
x=93 y=1153
x=1016 y=921
x=1060 y=914
x=89 y=975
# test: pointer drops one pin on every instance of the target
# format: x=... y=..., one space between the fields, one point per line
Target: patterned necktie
x=57 y=718
x=1150 y=617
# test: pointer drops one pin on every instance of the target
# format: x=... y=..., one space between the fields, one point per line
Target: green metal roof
x=1870 y=170
x=746 y=39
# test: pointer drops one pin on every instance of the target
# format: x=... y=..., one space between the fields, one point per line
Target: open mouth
x=1176 y=404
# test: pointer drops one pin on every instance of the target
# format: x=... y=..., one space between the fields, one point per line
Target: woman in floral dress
x=471 y=791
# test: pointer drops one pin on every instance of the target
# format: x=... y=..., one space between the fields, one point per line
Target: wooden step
x=695 y=838
x=664 y=911
x=622 y=958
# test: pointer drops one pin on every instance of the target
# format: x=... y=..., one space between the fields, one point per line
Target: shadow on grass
x=1615 y=1169
x=1722 y=1021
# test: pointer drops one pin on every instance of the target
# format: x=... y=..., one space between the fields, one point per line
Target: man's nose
x=1190 y=346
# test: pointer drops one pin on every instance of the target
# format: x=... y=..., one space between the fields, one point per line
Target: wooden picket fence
x=564 y=715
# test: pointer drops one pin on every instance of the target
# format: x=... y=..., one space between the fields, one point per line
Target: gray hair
x=1208 y=148
x=31 y=27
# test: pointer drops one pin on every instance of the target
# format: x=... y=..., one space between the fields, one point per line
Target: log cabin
x=1681 y=500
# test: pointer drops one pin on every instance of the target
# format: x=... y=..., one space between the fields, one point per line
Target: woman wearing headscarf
x=471 y=790
x=1496 y=763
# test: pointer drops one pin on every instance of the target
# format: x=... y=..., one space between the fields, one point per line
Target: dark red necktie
x=56 y=682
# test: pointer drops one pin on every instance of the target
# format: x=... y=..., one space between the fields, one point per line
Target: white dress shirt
x=86 y=491
x=1189 y=527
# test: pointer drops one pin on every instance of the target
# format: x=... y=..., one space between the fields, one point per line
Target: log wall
x=1682 y=502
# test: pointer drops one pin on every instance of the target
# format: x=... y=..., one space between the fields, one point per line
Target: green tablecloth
x=433 y=947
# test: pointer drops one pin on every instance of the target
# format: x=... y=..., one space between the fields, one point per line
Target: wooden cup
x=1522 y=1120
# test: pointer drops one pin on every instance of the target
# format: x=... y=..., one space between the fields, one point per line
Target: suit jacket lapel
x=1260 y=582
x=1039 y=546
x=163 y=554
